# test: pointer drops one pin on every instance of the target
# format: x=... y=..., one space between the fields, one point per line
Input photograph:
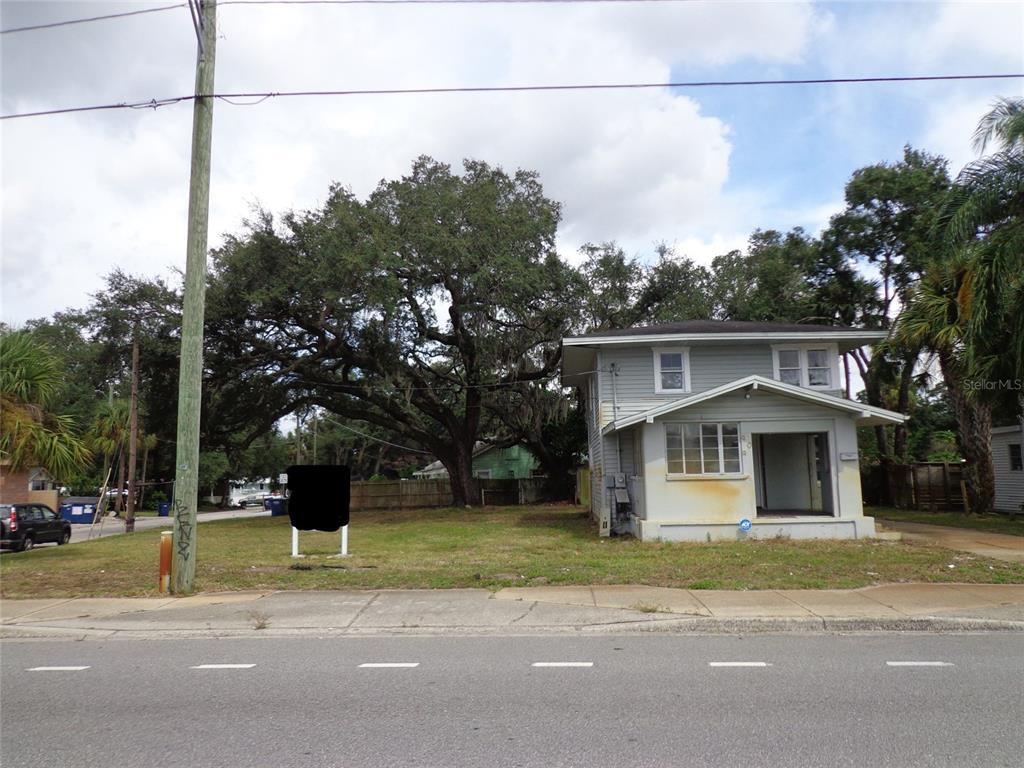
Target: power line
x=89 y=19
x=68 y=22
x=371 y=437
x=263 y=96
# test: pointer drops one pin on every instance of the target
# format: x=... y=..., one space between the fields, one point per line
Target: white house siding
x=594 y=448
x=710 y=367
x=1009 y=483
x=704 y=509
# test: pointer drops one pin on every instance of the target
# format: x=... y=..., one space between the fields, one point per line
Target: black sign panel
x=318 y=497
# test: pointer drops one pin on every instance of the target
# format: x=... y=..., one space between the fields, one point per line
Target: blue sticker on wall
x=745 y=524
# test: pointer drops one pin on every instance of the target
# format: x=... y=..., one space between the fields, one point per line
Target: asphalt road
x=114 y=526
x=630 y=701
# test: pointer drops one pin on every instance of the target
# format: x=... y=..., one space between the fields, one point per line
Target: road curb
x=680 y=626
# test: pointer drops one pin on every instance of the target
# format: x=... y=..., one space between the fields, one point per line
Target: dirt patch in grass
x=490 y=547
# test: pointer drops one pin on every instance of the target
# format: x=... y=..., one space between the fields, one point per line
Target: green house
x=493 y=463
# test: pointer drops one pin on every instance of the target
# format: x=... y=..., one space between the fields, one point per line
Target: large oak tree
x=408 y=310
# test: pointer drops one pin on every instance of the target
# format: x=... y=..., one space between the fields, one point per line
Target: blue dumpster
x=278 y=506
x=163 y=509
x=80 y=510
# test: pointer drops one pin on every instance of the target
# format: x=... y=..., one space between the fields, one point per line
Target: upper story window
x=808 y=365
x=671 y=369
x=1016 y=461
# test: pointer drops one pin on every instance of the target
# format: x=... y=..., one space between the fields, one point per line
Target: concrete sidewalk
x=523 y=610
x=999 y=546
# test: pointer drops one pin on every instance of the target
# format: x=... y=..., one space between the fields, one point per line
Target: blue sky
x=698 y=169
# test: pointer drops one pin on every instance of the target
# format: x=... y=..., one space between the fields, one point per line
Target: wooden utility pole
x=133 y=434
x=190 y=379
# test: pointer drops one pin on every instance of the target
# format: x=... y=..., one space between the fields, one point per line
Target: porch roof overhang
x=864 y=415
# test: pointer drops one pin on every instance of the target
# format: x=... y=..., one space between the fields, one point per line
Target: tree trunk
x=119 y=503
x=974 y=436
x=846 y=370
x=133 y=434
x=869 y=373
x=142 y=485
x=465 y=489
x=900 y=433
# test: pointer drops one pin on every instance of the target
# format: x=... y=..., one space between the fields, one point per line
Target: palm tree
x=933 y=319
x=968 y=307
x=107 y=436
x=982 y=219
x=30 y=434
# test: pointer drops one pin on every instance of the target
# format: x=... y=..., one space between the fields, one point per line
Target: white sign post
x=344 y=542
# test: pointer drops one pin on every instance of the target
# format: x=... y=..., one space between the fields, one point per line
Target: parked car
x=253 y=500
x=22 y=526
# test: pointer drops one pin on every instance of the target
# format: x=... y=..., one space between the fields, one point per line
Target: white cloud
x=86 y=193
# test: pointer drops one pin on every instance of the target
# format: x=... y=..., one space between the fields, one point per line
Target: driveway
x=995 y=545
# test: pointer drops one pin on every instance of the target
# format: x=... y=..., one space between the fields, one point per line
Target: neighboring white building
x=696 y=426
x=1008 y=465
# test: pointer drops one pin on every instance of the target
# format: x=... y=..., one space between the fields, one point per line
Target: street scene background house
x=490 y=463
x=1008 y=464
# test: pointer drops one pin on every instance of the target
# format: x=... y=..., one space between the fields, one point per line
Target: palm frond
x=1004 y=122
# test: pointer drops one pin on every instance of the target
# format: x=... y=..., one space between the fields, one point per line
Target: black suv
x=22 y=526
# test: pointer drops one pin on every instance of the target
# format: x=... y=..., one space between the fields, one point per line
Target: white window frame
x=482 y=474
x=1009 y=456
x=658 y=352
x=802 y=349
x=721 y=450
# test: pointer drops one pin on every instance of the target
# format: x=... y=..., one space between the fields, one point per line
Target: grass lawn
x=493 y=547
x=990 y=523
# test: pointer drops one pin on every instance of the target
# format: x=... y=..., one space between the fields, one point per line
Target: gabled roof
x=867 y=415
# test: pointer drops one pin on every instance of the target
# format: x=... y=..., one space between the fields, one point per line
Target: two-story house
x=708 y=430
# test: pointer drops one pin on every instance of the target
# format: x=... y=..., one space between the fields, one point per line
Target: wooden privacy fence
x=413 y=494
x=928 y=486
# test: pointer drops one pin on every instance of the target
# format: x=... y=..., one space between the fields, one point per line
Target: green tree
x=932 y=318
x=31 y=434
x=130 y=315
x=983 y=222
x=888 y=224
x=108 y=437
x=404 y=311
x=214 y=467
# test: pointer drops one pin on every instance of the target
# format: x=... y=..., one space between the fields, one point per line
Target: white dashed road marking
x=738 y=664
x=919 y=664
x=563 y=664
x=56 y=669
x=390 y=665
x=224 y=666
